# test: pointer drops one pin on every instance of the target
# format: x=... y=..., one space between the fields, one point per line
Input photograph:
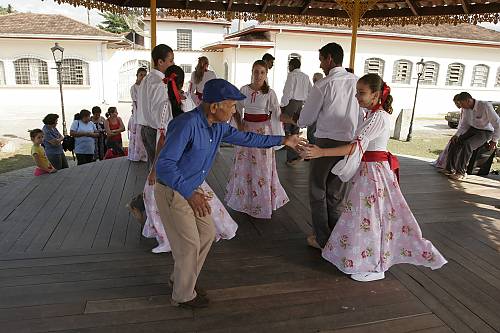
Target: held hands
x=309 y=151
x=294 y=141
x=199 y=204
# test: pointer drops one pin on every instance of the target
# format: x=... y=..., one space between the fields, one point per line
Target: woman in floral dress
x=377 y=228
x=225 y=226
x=254 y=187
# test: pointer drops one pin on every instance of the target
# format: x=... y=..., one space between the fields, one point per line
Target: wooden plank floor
x=72 y=260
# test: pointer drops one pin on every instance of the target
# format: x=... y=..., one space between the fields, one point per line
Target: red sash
x=380 y=156
x=256 y=118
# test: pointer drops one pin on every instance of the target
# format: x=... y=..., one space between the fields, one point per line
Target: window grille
x=184 y=39
x=186 y=68
x=126 y=77
x=455 y=74
x=31 y=71
x=294 y=56
x=402 y=71
x=75 y=72
x=497 y=80
x=2 y=74
x=480 y=76
x=375 y=66
x=431 y=72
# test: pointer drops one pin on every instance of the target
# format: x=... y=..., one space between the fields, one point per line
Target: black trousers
x=292 y=109
x=84 y=158
x=460 y=151
x=148 y=135
x=326 y=192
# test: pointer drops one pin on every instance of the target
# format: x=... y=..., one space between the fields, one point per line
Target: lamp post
x=420 y=72
x=58 y=53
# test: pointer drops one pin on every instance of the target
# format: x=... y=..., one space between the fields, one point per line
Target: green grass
x=429 y=147
x=425 y=146
x=20 y=159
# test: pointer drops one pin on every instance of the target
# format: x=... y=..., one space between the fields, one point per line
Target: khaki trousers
x=190 y=238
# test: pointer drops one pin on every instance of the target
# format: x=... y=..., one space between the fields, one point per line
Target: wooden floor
x=72 y=259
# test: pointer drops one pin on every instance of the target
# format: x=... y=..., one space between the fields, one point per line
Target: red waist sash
x=380 y=156
x=256 y=118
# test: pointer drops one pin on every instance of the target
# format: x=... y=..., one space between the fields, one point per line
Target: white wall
x=202 y=34
x=23 y=106
x=432 y=100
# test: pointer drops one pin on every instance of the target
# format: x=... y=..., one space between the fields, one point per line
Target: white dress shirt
x=482 y=117
x=152 y=99
x=198 y=87
x=332 y=104
x=297 y=87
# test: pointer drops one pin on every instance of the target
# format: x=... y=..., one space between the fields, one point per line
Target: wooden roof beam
x=229 y=5
x=465 y=6
x=187 y=4
x=412 y=5
x=306 y=7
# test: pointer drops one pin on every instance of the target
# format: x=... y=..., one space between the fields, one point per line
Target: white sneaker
x=366 y=277
x=161 y=249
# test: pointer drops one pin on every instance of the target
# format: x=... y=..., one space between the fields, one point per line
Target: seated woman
x=114 y=128
x=179 y=102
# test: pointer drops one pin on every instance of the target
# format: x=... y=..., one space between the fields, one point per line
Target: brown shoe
x=196 y=303
x=199 y=291
x=311 y=241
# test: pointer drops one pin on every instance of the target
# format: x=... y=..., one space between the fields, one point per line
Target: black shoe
x=196 y=303
x=199 y=291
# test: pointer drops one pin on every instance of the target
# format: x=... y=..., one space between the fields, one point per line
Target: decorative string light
x=291 y=18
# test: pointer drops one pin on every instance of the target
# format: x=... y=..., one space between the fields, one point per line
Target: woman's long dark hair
x=179 y=82
x=375 y=83
x=265 y=87
x=200 y=69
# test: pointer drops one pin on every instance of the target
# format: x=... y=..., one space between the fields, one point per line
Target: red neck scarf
x=386 y=90
x=171 y=78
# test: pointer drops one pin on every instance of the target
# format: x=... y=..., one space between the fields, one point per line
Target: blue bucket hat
x=218 y=90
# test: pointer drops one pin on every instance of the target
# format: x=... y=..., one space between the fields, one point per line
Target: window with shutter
x=375 y=65
x=430 y=75
x=480 y=76
x=402 y=71
x=31 y=71
x=455 y=74
x=184 y=39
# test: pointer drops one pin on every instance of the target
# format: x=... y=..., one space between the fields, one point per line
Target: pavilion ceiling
x=375 y=12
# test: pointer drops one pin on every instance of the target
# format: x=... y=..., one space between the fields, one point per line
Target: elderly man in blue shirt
x=191 y=144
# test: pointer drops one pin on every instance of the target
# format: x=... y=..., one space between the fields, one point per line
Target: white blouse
x=372 y=135
x=198 y=87
x=259 y=103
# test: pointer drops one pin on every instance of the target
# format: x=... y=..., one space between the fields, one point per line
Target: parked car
x=453 y=117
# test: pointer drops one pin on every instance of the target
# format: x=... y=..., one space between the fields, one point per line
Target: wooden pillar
x=355 y=17
x=153 y=24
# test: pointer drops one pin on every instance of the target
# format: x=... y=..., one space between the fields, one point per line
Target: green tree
x=7 y=10
x=114 y=23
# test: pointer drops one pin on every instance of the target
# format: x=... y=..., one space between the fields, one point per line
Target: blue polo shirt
x=190 y=149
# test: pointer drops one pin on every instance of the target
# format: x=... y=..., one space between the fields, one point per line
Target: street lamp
x=420 y=72
x=58 y=53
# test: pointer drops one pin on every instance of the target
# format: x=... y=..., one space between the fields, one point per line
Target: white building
x=100 y=67
x=458 y=58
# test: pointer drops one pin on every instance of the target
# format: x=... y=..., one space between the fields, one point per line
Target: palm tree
x=7 y=10
x=114 y=23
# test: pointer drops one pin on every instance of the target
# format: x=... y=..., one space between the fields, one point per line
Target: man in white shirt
x=297 y=87
x=479 y=124
x=312 y=128
x=333 y=106
x=152 y=98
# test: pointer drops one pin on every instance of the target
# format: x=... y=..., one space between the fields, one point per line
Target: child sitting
x=43 y=165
